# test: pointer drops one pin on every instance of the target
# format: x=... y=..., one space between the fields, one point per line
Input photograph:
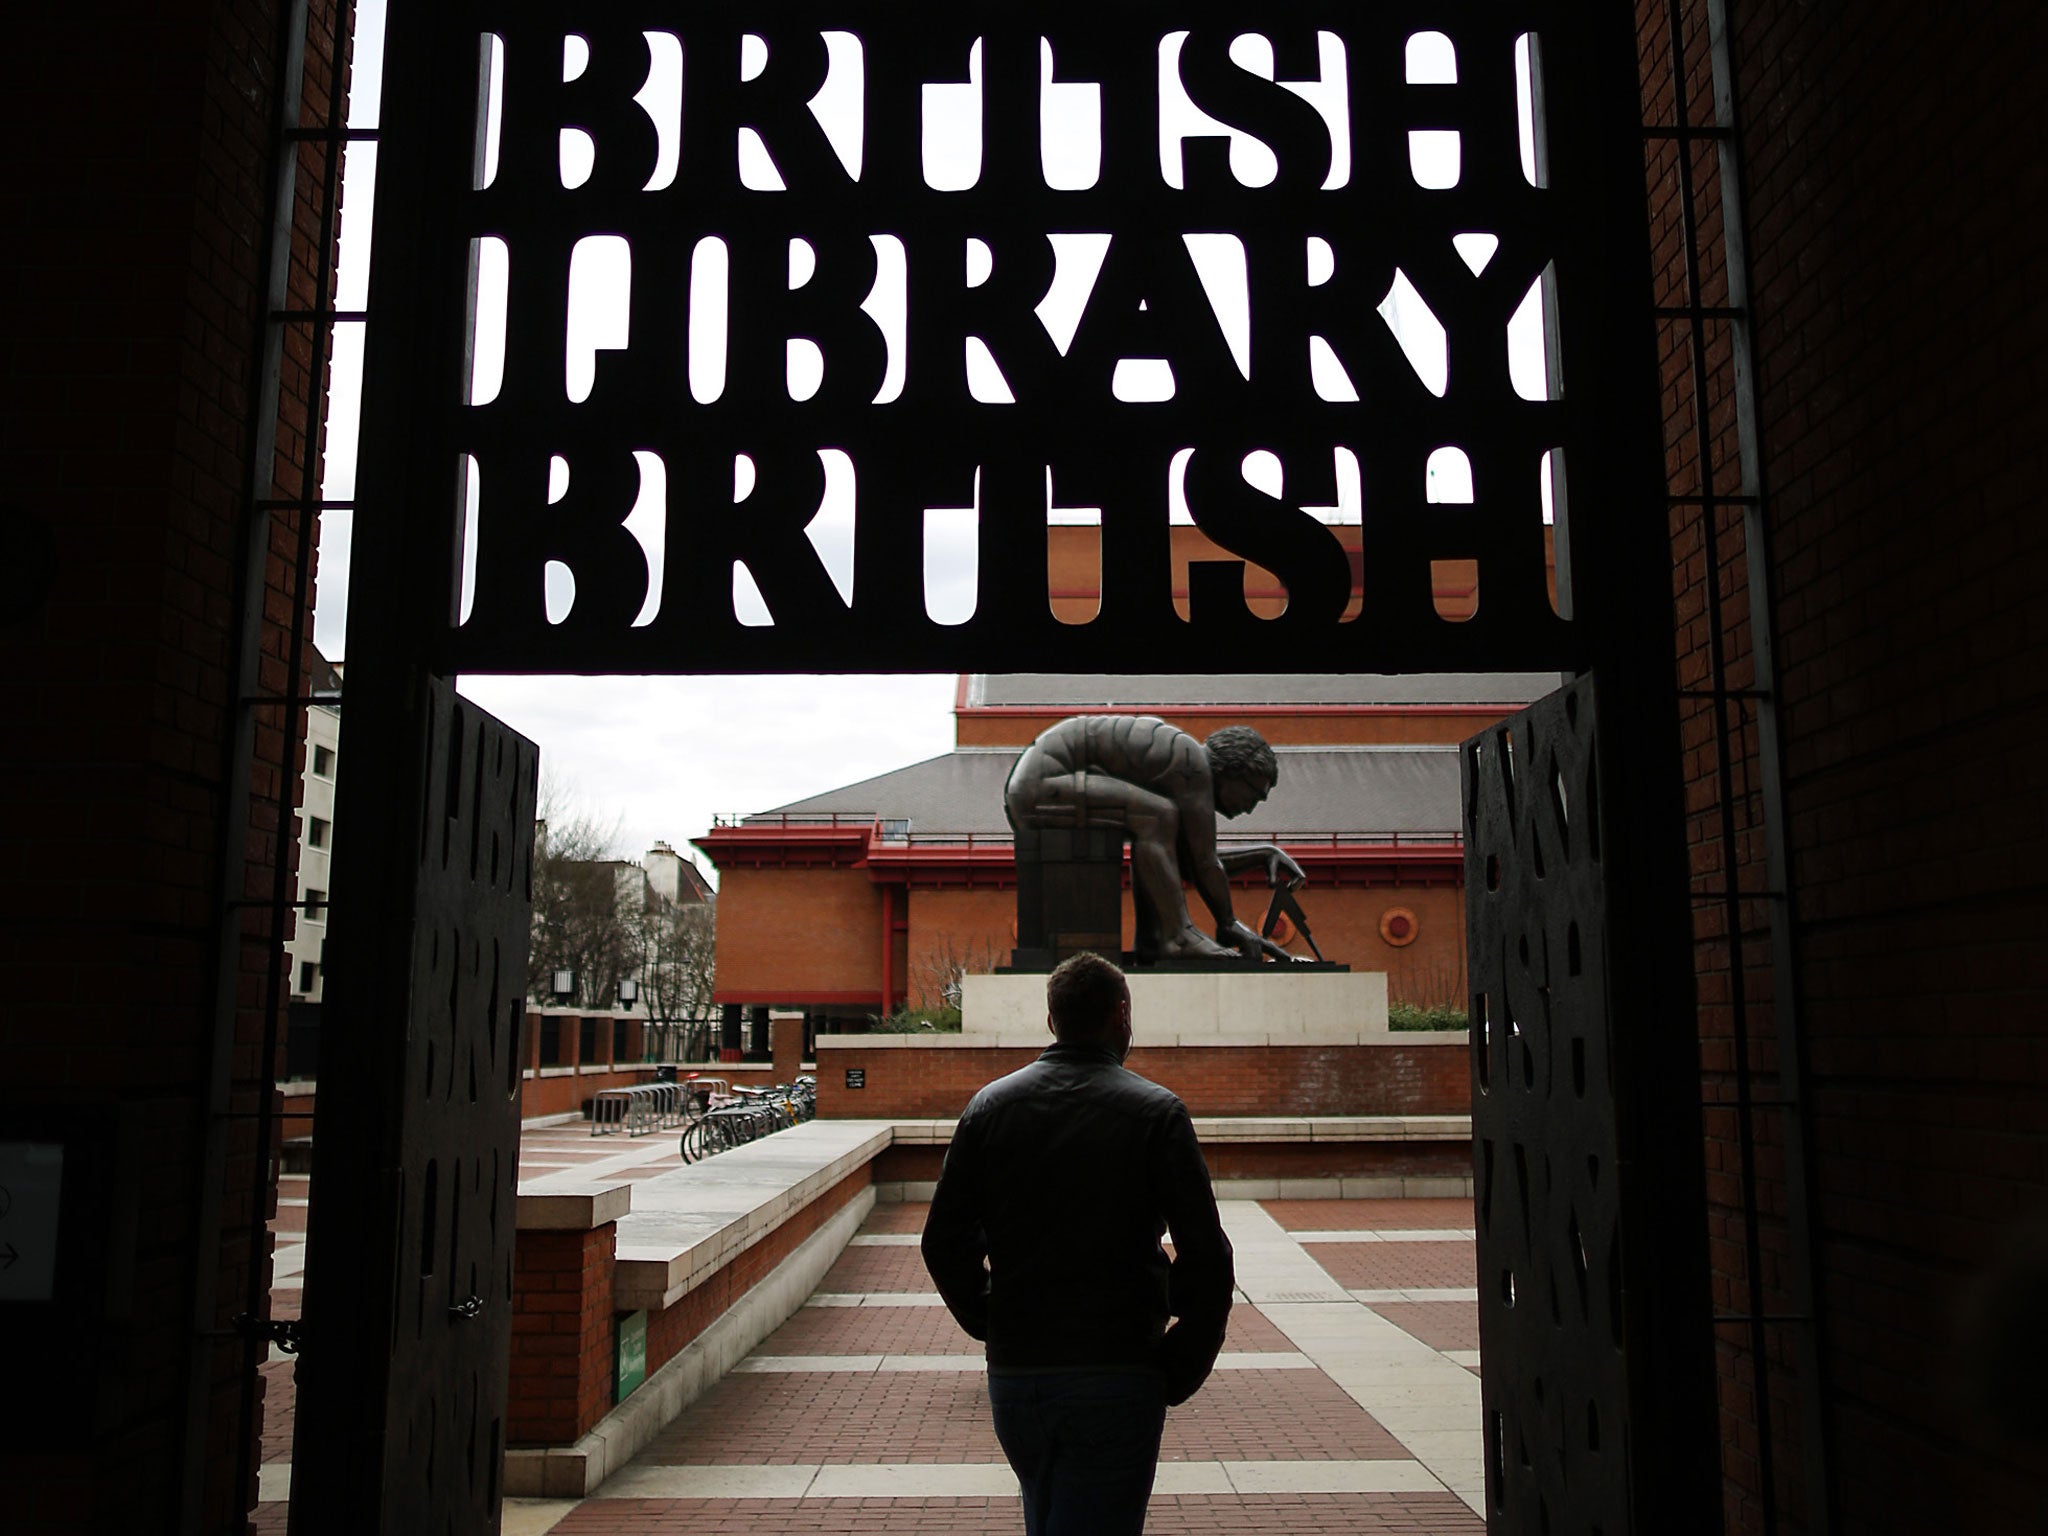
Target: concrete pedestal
x=1274 y=1006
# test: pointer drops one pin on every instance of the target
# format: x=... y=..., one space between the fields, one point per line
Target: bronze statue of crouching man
x=1164 y=789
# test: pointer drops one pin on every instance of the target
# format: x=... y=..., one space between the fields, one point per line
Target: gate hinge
x=287 y=1333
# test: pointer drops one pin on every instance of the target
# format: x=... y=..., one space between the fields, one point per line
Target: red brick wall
x=1695 y=591
x=565 y=1327
x=136 y=147
x=911 y=1083
x=799 y=932
x=1893 y=180
x=563 y=1338
x=955 y=926
x=786 y=1046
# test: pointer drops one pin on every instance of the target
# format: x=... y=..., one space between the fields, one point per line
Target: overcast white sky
x=664 y=755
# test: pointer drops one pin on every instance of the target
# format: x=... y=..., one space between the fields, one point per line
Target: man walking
x=1044 y=1241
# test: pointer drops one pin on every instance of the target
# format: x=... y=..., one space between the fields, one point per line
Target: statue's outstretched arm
x=1280 y=869
x=1209 y=873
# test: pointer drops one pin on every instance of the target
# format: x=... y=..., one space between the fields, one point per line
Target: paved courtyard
x=1346 y=1400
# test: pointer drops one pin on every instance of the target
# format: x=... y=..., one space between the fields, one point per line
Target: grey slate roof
x=1139 y=689
x=1380 y=789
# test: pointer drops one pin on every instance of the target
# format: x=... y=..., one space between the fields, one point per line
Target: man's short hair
x=1082 y=994
x=1239 y=752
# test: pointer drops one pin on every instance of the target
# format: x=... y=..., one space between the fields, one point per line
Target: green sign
x=632 y=1354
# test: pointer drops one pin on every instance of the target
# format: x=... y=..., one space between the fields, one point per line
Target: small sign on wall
x=632 y=1353
x=856 y=1077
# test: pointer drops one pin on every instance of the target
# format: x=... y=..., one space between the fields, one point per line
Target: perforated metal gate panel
x=1597 y=1414
x=435 y=1201
x=1543 y=1123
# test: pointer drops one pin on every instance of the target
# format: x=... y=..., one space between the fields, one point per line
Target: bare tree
x=676 y=963
x=936 y=973
x=581 y=923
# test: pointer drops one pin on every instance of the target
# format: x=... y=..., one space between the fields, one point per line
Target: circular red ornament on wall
x=1398 y=926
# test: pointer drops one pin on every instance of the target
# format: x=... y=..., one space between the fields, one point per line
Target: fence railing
x=898 y=832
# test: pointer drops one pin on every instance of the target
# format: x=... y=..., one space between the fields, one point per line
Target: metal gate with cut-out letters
x=732 y=338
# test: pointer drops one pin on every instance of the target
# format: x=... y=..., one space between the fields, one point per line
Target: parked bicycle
x=731 y=1117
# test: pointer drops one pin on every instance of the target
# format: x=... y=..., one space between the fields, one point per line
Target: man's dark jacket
x=1064 y=1176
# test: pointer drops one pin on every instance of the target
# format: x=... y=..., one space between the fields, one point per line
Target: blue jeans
x=1084 y=1446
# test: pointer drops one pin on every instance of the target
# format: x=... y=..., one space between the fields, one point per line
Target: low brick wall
x=909 y=1078
x=562 y=1334
x=707 y=1253
x=670 y=1331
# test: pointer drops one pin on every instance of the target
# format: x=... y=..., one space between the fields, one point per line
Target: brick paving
x=1250 y=1331
x=280 y=1397
x=841 y=1418
x=832 y=1418
x=1275 y=1416
x=879 y=1269
x=1285 y=1514
x=1370 y=1215
x=870 y=1331
x=1439 y=1324
x=1397 y=1266
x=1248 y=1421
x=932 y=1331
x=896 y=1218
x=1325 y=1514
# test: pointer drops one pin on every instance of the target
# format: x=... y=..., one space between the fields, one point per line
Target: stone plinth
x=1273 y=1006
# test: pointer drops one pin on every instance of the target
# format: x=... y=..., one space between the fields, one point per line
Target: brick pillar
x=562 y=1344
x=786 y=1039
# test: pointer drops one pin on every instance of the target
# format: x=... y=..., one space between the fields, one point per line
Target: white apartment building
x=305 y=950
